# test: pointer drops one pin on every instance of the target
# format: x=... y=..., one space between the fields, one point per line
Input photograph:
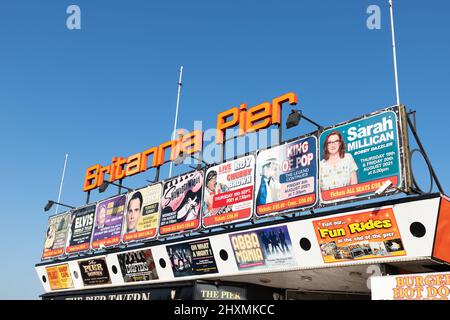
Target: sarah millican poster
x=228 y=192
x=80 y=231
x=59 y=277
x=56 y=235
x=192 y=258
x=358 y=157
x=108 y=222
x=286 y=177
x=137 y=266
x=180 y=203
x=366 y=235
x=142 y=213
x=94 y=272
x=263 y=248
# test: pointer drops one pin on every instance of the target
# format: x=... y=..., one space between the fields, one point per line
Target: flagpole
x=62 y=181
x=176 y=113
x=394 y=53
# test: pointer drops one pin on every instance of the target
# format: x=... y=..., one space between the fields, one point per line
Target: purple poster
x=108 y=222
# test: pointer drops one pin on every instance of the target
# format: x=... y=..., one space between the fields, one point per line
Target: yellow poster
x=59 y=277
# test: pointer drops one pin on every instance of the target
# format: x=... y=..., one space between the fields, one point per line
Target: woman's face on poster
x=333 y=144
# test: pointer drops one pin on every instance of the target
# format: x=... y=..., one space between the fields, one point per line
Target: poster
x=137 y=266
x=192 y=258
x=210 y=291
x=181 y=203
x=358 y=157
x=56 y=235
x=80 y=231
x=367 y=235
x=142 y=213
x=94 y=272
x=263 y=248
x=228 y=192
x=419 y=286
x=108 y=222
x=286 y=177
x=59 y=277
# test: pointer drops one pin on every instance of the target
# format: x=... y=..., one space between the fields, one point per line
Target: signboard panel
x=263 y=248
x=368 y=235
x=181 y=203
x=59 y=277
x=286 y=177
x=137 y=266
x=108 y=222
x=80 y=231
x=228 y=192
x=358 y=157
x=94 y=272
x=192 y=258
x=56 y=235
x=142 y=213
x=119 y=295
x=423 y=286
x=209 y=291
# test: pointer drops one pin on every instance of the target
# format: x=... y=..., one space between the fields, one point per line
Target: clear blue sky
x=110 y=88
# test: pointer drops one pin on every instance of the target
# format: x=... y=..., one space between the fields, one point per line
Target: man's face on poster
x=101 y=217
x=271 y=170
x=134 y=213
x=212 y=183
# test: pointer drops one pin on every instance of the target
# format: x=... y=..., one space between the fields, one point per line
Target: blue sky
x=110 y=88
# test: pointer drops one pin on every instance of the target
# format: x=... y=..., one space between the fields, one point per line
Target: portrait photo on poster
x=286 y=177
x=142 y=214
x=360 y=156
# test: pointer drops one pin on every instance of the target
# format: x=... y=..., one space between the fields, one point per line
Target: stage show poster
x=80 y=231
x=367 y=235
x=263 y=248
x=56 y=235
x=142 y=213
x=192 y=258
x=286 y=177
x=59 y=277
x=108 y=222
x=181 y=203
x=358 y=157
x=137 y=266
x=94 y=272
x=228 y=192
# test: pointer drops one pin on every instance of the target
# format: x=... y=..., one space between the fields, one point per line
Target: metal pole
x=61 y=184
x=394 y=53
x=427 y=160
x=280 y=129
x=176 y=113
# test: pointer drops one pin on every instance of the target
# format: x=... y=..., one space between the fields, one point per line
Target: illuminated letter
x=223 y=124
x=290 y=97
x=260 y=113
x=91 y=178
x=144 y=158
x=133 y=164
x=192 y=142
